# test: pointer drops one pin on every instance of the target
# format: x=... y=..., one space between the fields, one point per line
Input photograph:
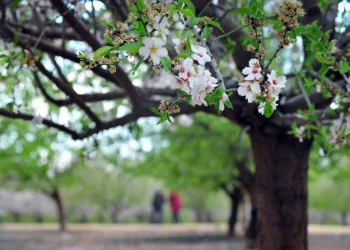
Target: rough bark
x=281 y=190
x=236 y=198
x=61 y=216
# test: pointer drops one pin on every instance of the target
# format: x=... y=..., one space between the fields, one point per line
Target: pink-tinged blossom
x=183 y=85
x=249 y=90
x=276 y=82
x=222 y=101
x=200 y=54
x=198 y=94
x=153 y=48
x=253 y=71
x=186 y=70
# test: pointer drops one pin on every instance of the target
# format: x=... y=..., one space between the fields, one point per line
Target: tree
x=281 y=161
x=211 y=167
x=31 y=161
x=329 y=183
x=108 y=190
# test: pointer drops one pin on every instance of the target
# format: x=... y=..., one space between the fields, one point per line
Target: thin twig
x=307 y=99
x=228 y=33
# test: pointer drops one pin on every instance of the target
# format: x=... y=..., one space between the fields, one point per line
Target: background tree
x=31 y=160
x=281 y=160
x=193 y=156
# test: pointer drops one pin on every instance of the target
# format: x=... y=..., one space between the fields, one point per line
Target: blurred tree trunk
x=115 y=210
x=344 y=218
x=281 y=189
x=252 y=229
x=16 y=217
x=38 y=218
x=236 y=197
x=56 y=196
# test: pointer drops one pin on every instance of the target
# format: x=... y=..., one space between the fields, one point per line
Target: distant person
x=157 y=207
x=176 y=204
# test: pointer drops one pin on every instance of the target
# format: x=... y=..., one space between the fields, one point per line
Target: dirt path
x=148 y=237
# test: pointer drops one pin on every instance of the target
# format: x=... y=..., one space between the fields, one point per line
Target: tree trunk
x=281 y=190
x=344 y=218
x=236 y=197
x=56 y=196
x=252 y=229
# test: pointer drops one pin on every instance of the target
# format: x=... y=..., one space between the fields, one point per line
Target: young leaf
x=137 y=66
x=260 y=99
x=344 y=67
x=108 y=39
x=268 y=110
x=103 y=51
x=242 y=11
x=206 y=32
x=166 y=62
x=228 y=104
x=131 y=47
x=141 y=4
x=108 y=24
x=190 y=6
x=218 y=92
x=187 y=13
x=188 y=43
x=216 y=24
x=155 y=110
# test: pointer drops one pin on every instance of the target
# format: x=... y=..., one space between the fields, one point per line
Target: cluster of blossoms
x=257 y=89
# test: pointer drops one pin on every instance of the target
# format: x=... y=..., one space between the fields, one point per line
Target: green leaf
x=108 y=39
x=206 y=32
x=108 y=24
x=141 y=4
x=254 y=5
x=268 y=110
x=319 y=56
x=182 y=55
x=155 y=110
x=190 y=5
x=187 y=13
x=137 y=66
x=344 y=67
x=260 y=99
x=81 y=55
x=196 y=20
x=228 y=104
x=242 y=11
x=103 y=51
x=323 y=70
x=188 y=43
x=168 y=118
x=16 y=3
x=216 y=24
x=166 y=62
x=218 y=92
x=131 y=47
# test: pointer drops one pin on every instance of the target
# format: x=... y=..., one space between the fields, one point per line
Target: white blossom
x=249 y=90
x=79 y=8
x=153 y=48
x=200 y=54
x=300 y=133
x=253 y=71
x=276 y=82
x=222 y=101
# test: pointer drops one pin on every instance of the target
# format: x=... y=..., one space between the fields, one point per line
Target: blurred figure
x=176 y=204
x=157 y=207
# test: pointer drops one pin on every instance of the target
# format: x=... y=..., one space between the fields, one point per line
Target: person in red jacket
x=176 y=204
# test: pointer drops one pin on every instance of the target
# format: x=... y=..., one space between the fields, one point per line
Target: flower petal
x=148 y=42
x=247 y=71
x=144 y=52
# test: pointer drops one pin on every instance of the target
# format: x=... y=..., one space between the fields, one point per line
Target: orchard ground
x=149 y=237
